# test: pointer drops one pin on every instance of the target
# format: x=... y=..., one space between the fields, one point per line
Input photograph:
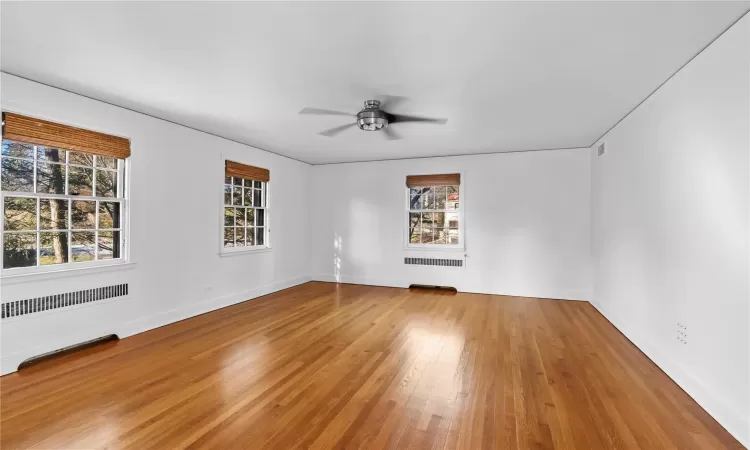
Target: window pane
x=237 y=181
x=19 y=250
x=428 y=199
x=451 y=220
x=20 y=213
x=106 y=183
x=415 y=202
x=440 y=197
x=260 y=217
x=108 y=245
x=227 y=195
x=257 y=197
x=415 y=234
x=228 y=217
x=259 y=237
x=109 y=215
x=50 y=178
x=433 y=219
x=17 y=175
x=18 y=149
x=83 y=159
x=229 y=237
x=427 y=234
x=439 y=236
x=248 y=198
x=258 y=184
x=250 y=217
x=237 y=197
x=53 y=248
x=106 y=162
x=239 y=217
x=80 y=181
x=49 y=154
x=413 y=221
x=84 y=215
x=452 y=236
x=227 y=180
x=83 y=246
x=250 y=236
x=452 y=197
x=239 y=237
x=53 y=214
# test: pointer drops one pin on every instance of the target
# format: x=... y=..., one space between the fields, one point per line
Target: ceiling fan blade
x=325 y=112
x=396 y=118
x=336 y=130
x=391 y=134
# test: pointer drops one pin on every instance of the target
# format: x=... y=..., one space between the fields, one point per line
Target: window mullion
x=93 y=176
x=38 y=228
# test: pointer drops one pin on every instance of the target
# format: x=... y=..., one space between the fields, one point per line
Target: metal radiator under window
x=442 y=262
x=33 y=305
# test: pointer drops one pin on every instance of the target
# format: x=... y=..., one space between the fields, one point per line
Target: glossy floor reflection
x=325 y=366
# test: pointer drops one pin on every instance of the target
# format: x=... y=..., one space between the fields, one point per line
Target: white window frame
x=461 y=246
x=225 y=251
x=123 y=186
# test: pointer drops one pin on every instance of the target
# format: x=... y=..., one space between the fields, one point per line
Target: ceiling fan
x=371 y=118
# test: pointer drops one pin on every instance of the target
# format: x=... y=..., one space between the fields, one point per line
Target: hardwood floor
x=325 y=366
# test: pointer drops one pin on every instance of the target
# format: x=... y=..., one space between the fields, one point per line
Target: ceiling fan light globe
x=371 y=123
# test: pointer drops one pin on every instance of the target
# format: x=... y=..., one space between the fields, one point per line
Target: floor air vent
x=434 y=262
x=67 y=350
x=39 y=304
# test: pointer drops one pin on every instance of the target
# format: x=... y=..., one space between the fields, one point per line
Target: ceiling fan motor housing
x=371 y=118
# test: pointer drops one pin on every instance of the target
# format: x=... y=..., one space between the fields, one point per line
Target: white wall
x=670 y=228
x=526 y=215
x=175 y=197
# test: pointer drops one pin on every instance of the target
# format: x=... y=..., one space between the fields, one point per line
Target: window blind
x=235 y=169
x=446 y=179
x=41 y=132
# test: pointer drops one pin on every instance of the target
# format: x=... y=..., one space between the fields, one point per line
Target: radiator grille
x=434 y=262
x=33 y=305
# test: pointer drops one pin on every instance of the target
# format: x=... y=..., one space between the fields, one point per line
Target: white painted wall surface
x=175 y=198
x=526 y=218
x=670 y=201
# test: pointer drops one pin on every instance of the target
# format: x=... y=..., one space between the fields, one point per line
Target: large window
x=434 y=211
x=245 y=212
x=60 y=206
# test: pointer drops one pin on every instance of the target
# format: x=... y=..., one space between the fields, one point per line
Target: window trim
x=461 y=246
x=123 y=179
x=227 y=251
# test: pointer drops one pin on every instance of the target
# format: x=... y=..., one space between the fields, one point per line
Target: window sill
x=35 y=277
x=245 y=251
x=436 y=249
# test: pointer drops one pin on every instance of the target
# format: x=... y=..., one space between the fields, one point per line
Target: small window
x=60 y=207
x=434 y=211
x=245 y=209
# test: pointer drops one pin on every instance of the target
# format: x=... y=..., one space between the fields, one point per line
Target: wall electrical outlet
x=682 y=332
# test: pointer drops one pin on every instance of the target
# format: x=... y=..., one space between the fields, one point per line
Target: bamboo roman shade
x=235 y=169
x=41 y=132
x=445 y=179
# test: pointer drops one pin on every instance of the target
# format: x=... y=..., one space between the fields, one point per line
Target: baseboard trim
x=9 y=363
x=552 y=294
x=726 y=415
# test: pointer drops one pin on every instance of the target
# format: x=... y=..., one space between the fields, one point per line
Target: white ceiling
x=508 y=76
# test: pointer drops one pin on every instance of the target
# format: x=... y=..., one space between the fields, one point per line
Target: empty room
x=375 y=225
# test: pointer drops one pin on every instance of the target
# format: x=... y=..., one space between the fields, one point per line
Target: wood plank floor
x=324 y=366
